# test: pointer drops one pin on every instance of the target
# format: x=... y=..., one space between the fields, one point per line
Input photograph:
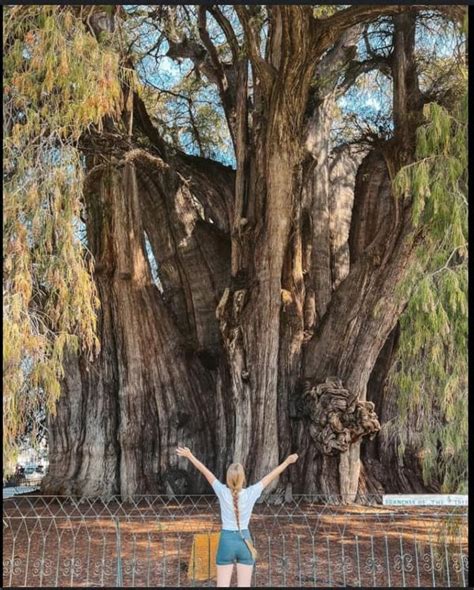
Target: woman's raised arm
x=185 y=452
x=276 y=472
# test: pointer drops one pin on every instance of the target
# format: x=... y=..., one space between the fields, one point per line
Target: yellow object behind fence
x=202 y=562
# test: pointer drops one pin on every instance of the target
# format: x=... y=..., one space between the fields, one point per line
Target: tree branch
x=446 y=265
x=146 y=125
x=226 y=92
x=357 y=68
x=226 y=27
x=265 y=72
x=329 y=29
x=368 y=46
x=204 y=36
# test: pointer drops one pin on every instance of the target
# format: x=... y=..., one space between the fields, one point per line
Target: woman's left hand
x=184 y=452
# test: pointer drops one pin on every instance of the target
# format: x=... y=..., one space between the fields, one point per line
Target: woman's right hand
x=292 y=459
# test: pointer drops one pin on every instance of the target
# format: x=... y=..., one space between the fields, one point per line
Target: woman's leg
x=244 y=575
x=224 y=575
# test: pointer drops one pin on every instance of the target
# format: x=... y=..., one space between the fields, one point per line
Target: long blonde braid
x=235 y=481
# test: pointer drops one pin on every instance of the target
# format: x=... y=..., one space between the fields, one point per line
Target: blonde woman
x=236 y=503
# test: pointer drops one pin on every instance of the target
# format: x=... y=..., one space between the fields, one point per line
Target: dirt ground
x=49 y=542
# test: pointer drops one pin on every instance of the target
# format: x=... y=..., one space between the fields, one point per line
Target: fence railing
x=171 y=541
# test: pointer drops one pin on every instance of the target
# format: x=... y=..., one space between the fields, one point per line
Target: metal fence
x=153 y=541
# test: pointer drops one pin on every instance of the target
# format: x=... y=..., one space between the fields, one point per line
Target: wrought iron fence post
x=432 y=563
x=358 y=560
x=417 y=564
x=269 y=561
x=298 y=538
x=208 y=556
x=164 y=561
x=179 y=559
x=193 y=551
x=285 y=561
x=461 y=556
x=343 y=563
x=448 y=577
x=119 y=582
x=387 y=555
x=402 y=562
x=374 y=563
x=313 y=561
x=329 y=561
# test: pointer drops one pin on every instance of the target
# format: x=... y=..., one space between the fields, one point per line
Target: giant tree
x=243 y=309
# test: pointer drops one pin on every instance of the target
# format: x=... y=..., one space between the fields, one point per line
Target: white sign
x=425 y=500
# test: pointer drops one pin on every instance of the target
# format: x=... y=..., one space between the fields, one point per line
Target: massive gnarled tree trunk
x=277 y=286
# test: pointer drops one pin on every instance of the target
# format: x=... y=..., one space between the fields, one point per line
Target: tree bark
x=275 y=324
x=149 y=391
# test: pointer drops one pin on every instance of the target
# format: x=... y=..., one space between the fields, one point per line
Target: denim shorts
x=232 y=548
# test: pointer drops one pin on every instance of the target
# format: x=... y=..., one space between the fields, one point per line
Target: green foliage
x=189 y=117
x=325 y=10
x=58 y=81
x=431 y=372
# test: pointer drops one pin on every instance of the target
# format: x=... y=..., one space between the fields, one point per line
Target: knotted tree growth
x=248 y=310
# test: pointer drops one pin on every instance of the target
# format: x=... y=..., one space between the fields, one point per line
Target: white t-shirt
x=247 y=498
